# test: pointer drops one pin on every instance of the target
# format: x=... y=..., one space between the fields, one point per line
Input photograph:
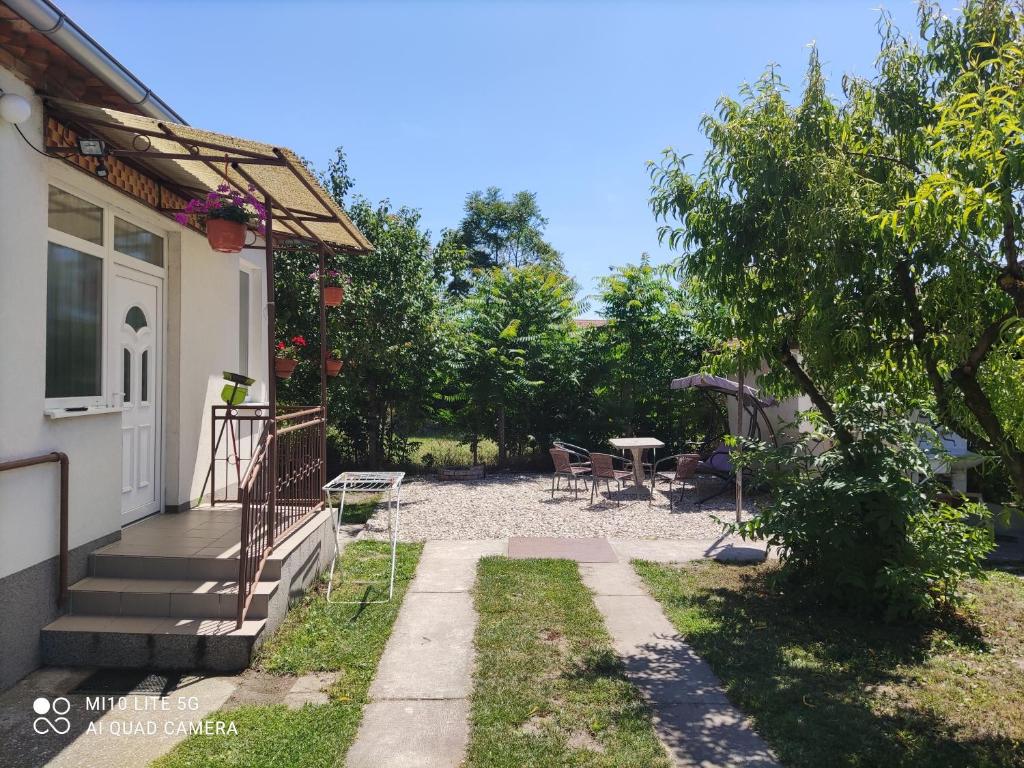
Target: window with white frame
x=83 y=237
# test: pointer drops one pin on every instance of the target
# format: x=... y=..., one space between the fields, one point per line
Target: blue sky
x=432 y=100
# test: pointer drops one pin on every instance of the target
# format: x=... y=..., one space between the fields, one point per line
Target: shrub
x=854 y=529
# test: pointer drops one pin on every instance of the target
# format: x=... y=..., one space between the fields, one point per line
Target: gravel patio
x=517 y=504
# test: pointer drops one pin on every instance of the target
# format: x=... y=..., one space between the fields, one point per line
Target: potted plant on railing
x=334 y=286
x=227 y=213
x=333 y=363
x=287 y=357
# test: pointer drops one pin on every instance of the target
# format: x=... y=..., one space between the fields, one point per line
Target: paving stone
x=693 y=715
x=612 y=579
x=711 y=736
x=580 y=550
x=450 y=566
x=411 y=734
x=430 y=652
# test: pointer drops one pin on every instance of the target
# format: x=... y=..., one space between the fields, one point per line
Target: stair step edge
x=167 y=586
x=87 y=624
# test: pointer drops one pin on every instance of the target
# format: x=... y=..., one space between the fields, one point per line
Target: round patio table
x=636 y=446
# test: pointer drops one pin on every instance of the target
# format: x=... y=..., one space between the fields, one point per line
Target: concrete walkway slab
x=730 y=549
x=411 y=734
x=693 y=716
x=450 y=566
x=580 y=550
x=418 y=715
x=430 y=652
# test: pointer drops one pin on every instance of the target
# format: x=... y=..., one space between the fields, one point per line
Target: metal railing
x=236 y=432
x=62 y=459
x=280 y=490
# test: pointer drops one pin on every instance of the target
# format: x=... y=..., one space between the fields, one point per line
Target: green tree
x=649 y=339
x=516 y=334
x=496 y=232
x=843 y=246
x=878 y=234
x=392 y=331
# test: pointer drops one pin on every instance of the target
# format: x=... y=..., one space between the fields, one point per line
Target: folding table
x=365 y=482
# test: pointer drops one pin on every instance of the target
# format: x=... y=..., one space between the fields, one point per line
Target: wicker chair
x=685 y=468
x=565 y=468
x=579 y=457
x=602 y=466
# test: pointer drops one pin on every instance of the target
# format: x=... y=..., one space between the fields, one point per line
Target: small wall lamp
x=15 y=109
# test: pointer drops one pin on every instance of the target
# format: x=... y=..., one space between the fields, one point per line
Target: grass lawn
x=449 y=452
x=316 y=636
x=548 y=688
x=359 y=507
x=830 y=690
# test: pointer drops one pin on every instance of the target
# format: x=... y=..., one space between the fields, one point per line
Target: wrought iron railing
x=234 y=437
x=280 y=490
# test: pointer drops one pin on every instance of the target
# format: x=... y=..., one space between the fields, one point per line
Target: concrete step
x=163 y=643
x=181 y=598
x=128 y=566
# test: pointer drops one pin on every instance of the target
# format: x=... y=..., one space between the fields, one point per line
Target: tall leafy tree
x=516 y=335
x=878 y=234
x=392 y=331
x=650 y=338
x=500 y=232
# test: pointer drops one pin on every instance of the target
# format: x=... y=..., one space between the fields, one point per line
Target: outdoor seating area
x=640 y=471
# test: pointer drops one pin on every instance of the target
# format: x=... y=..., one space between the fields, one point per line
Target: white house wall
x=201 y=306
x=29 y=497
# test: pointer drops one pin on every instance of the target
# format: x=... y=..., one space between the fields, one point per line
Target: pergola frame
x=295 y=220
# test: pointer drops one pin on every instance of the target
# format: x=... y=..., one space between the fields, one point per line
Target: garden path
x=418 y=714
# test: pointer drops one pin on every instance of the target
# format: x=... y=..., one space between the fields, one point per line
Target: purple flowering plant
x=229 y=204
x=332 y=277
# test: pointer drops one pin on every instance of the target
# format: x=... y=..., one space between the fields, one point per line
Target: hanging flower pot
x=228 y=213
x=333 y=295
x=333 y=366
x=284 y=367
x=287 y=357
x=225 y=236
x=334 y=286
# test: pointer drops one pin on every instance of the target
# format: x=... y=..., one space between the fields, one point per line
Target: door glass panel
x=138 y=243
x=145 y=377
x=126 y=374
x=76 y=216
x=136 y=318
x=74 y=304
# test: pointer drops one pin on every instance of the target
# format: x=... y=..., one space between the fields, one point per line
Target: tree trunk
x=809 y=388
x=981 y=407
x=502 y=450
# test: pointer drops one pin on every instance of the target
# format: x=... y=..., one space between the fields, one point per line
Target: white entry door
x=135 y=359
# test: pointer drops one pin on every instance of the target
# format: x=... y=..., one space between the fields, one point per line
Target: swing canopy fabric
x=720 y=384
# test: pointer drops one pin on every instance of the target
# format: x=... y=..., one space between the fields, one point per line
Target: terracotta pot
x=333 y=366
x=284 y=367
x=333 y=295
x=225 y=236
